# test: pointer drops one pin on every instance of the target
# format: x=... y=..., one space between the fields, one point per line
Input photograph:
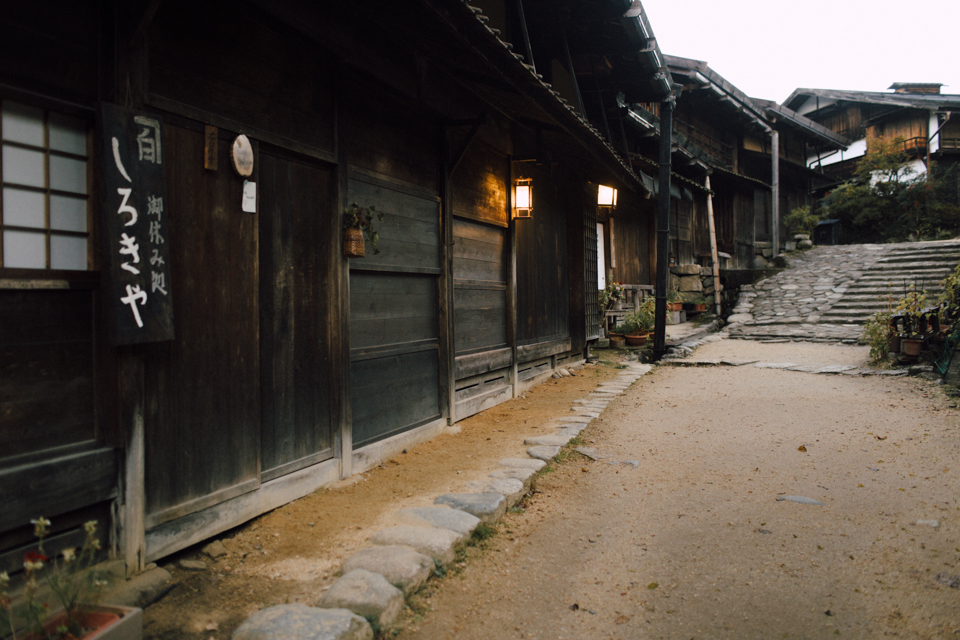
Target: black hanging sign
x=135 y=226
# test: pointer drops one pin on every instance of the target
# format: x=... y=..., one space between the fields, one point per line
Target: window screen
x=44 y=209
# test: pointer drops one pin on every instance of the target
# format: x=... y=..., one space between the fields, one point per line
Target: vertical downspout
x=663 y=229
x=714 y=254
x=775 y=183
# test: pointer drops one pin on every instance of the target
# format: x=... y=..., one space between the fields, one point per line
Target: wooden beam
x=145 y=19
x=458 y=155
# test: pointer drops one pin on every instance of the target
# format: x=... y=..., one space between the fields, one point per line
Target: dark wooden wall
x=543 y=301
x=633 y=239
x=57 y=408
x=226 y=62
x=396 y=370
x=296 y=356
x=202 y=418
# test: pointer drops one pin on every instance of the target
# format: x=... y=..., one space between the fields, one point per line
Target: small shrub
x=800 y=220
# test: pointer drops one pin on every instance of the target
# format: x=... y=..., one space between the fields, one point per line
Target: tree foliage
x=887 y=201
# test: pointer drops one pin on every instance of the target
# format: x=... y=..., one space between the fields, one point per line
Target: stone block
x=543 y=453
x=367 y=594
x=489 y=507
x=804 y=244
x=300 y=622
x=690 y=283
x=526 y=476
x=763 y=244
x=686 y=270
x=511 y=489
x=403 y=567
x=801 y=236
x=767 y=253
x=790 y=245
x=523 y=463
x=759 y=262
x=442 y=517
x=706 y=272
x=536 y=441
x=215 y=549
x=439 y=544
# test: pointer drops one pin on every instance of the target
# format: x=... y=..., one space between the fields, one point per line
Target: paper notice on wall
x=249 y=204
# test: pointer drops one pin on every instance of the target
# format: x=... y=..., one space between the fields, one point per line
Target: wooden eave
x=528 y=95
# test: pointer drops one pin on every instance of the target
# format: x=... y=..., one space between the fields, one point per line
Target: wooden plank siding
x=394 y=313
x=297 y=409
x=202 y=418
x=633 y=229
x=543 y=294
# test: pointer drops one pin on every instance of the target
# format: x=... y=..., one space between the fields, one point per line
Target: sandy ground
x=291 y=554
x=691 y=544
x=695 y=544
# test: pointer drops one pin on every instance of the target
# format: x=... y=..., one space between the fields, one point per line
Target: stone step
x=929 y=280
x=926 y=265
x=920 y=257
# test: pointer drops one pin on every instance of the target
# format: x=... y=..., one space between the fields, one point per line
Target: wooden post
x=343 y=443
x=512 y=279
x=448 y=382
x=775 y=183
x=714 y=254
x=663 y=229
x=132 y=539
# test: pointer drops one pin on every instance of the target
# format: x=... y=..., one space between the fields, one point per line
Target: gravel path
x=694 y=543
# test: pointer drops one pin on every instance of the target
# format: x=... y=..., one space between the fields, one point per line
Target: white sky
x=768 y=48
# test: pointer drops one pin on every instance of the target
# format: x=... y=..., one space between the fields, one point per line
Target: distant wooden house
x=182 y=345
x=916 y=112
x=722 y=133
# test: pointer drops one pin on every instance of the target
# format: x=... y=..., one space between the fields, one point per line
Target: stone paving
x=789 y=305
x=827 y=293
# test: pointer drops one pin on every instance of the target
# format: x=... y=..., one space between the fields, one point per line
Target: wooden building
x=916 y=112
x=215 y=146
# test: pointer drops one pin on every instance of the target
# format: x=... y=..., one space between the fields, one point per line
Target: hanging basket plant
x=358 y=228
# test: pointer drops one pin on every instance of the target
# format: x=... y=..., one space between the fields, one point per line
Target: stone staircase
x=923 y=264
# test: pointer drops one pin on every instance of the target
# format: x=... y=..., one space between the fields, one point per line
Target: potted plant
x=912 y=317
x=674 y=301
x=72 y=580
x=697 y=305
x=357 y=223
x=640 y=322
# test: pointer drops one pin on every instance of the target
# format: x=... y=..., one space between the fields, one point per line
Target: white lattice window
x=44 y=211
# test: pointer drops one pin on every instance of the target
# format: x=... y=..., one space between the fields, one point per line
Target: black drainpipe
x=663 y=229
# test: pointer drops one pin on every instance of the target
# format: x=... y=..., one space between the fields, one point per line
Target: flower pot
x=636 y=340
x=353 y=244
x=103 y=622
x=674 y=306
x=618 y=342
x=911 y=346
x=894 y=344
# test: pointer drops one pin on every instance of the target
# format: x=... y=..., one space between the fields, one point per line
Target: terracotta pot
x=618 y=342
x=353 y=244
x=911 y=346
x=636 y=340
x=102 y=623
x=674 y=306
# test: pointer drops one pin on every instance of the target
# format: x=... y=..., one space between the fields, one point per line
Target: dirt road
x=694 y=543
